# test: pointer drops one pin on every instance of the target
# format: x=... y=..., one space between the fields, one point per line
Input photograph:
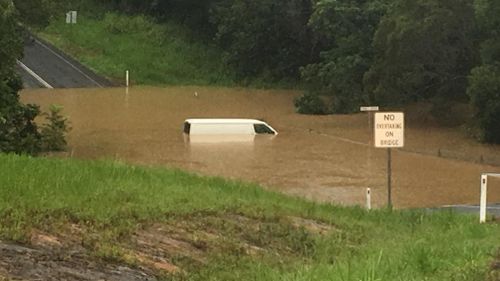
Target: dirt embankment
x=175 y=247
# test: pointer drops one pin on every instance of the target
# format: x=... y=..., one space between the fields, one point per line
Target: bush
x=54 y=132
x=310 y=104
x=484 y=91
x=117 y=24
x=18 y=131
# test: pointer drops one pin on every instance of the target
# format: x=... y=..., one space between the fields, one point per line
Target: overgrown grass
x=155 y=54
x=116 y=199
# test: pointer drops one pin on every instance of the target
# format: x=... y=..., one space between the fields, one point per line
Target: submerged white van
x=227 y=126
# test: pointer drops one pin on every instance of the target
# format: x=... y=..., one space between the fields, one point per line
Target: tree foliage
x=268 y=37
x=424 y=51
x=484 y=80
x=488 y=19
x=484 y=91
x=35 y=13
x=346 y=28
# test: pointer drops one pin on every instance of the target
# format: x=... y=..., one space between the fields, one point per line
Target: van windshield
x=262 y=129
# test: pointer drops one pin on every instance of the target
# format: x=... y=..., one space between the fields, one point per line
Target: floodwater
x=324 y=158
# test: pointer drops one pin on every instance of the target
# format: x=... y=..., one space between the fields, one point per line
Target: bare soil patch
x=177 y=246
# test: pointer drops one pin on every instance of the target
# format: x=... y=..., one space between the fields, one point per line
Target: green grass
x=155 y=54
x=114 y=199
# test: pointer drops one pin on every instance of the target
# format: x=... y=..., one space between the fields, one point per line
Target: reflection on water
x=319 y=157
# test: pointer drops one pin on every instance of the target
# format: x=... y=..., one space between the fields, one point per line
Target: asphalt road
x=44 y=65
x=493 y=209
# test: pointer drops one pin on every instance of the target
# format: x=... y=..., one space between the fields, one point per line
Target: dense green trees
x=35 y=13
x=346 y=28
x=484 y=90
x=484 y=80
x=269 y=38
x=423 y=51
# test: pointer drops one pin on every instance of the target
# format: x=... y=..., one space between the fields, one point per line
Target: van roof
x=224 y=121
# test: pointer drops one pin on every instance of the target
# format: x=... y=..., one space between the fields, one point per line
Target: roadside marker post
x=368 y=199
x=483 y=202
x=127 y=78
x=389 y=133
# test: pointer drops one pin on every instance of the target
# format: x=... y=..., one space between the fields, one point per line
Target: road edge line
x=34 y=75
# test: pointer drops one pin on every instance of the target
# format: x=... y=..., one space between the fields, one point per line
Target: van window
x=187 y=127
x=262 y=129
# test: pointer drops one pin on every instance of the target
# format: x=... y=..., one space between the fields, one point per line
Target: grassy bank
x=242 y=231
x=155 y=54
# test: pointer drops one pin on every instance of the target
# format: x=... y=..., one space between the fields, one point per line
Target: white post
x=368 y=199
x=127 y=81
x=73 y=17
x=483 y=202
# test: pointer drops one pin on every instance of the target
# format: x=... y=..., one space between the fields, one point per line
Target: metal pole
x=389 y=172
x=370 y=128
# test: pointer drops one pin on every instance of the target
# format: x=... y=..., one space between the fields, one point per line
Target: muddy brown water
x=324 y=158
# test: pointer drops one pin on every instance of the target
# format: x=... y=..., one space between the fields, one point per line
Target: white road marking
x=32 y=73
x=470 y=207
x=65 y=60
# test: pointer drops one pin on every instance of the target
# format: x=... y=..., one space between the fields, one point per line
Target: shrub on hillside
x=310 y=104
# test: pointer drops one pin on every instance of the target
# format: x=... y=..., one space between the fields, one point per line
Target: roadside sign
x=71 y=17
x=389 y=129
x=369 y=108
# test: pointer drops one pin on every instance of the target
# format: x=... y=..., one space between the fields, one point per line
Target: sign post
x=389 y=133
x=369 y=110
